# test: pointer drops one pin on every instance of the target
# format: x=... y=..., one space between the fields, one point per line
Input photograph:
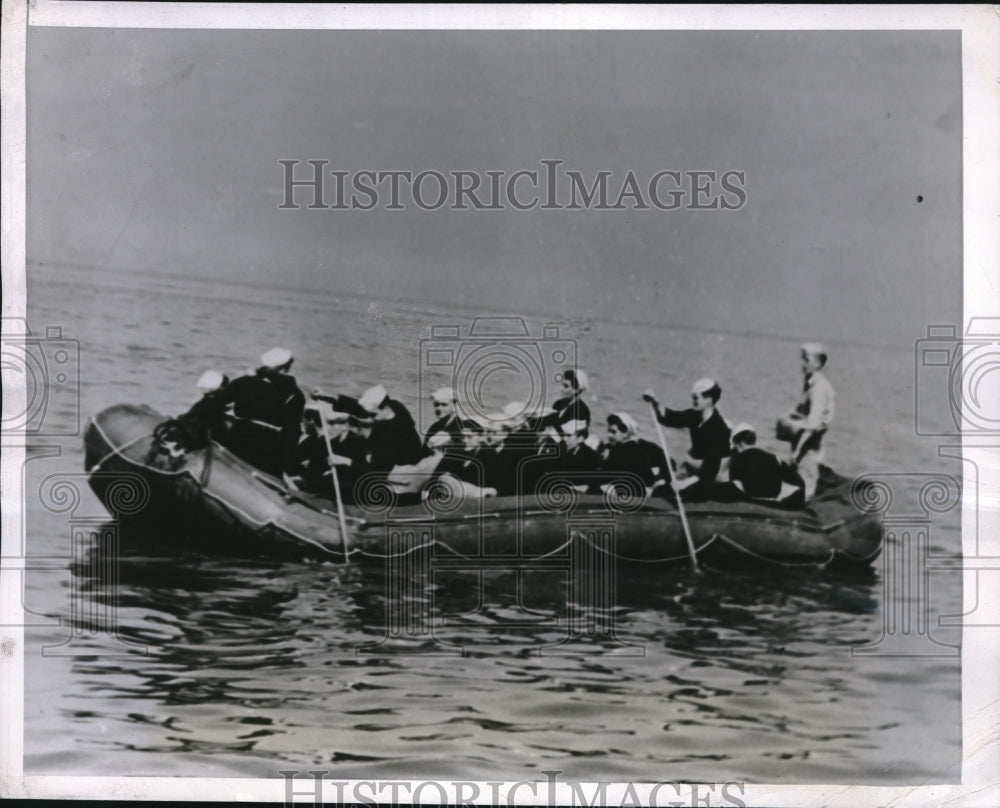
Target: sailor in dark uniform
x=622 y=456
x=468 y=464
x=206 y=419
x=709 y=437
x=579 y=462
x=268 y=409
x=394 y=440
x=345 y=450
x=446 y=434
x=498 y=458
x=758 y=474
x=570 y=407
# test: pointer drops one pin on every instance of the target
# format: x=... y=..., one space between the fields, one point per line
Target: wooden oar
x=336 y=487
x=680 y=503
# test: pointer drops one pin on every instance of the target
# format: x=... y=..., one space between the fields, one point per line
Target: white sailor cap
x=443 y=395
x=739 y=429
x=515 y=412
x=210 y=380
x=573 y=427
x=275 y=358
x=373 y=397
x=626 y=419
x=496 y=421
x=702 y=386
x=813 y=349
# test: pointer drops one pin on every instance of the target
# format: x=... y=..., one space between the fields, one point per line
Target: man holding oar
x=709 y=437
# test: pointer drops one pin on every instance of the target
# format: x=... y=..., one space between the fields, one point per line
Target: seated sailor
x=468 y=465
x=268 y=409
x=345 y=450
x=498 y=458
x=755 y=473
x=393 y=439
x=622 y=456
x=578 y=461
x=203 y=422
x=446 y=433
x=709 y=437
x=570 y=407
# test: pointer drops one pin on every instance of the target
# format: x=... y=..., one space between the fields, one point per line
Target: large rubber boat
x=212 y=496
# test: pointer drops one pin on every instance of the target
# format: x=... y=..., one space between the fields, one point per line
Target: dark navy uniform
x=565 y=410
x=709 y=439
x=758 y=471
x=626 y=457
x=204 y=422
x=395 y=442
x=456 y=429
x=268 y=407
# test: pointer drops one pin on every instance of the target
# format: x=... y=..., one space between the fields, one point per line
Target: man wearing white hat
x=570 y=407
x=446 y=433
x=209 y=411
x=394 y=440
x=205 y=420
x=709 y=436
x=268 y=407
x=815 y=411
x=345 y=450
x=578 y=461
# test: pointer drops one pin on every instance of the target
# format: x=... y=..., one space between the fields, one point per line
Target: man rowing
x=709 y=437
x=345 y=451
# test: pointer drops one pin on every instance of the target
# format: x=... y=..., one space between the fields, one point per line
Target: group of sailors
x=267 y=419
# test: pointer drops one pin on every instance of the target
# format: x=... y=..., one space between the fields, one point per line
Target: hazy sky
x=157 y=151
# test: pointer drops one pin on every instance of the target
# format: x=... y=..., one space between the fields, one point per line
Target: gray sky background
x=156 y=151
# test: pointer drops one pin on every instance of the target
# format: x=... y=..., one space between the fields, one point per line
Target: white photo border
x=980 y=37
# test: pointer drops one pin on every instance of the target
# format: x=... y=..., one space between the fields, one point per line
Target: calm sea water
x=245 y=666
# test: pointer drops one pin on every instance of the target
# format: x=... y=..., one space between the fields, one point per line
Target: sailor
x=268 y=408
x=313 y=459
x=345 y=450
x=570 y=407
x=394 y=440
x=755 y=473
x=812 y=416
x=206 y=419
x=498 y=457
x=709 y=437
x=578 y=460
x=446 y=433
x=468 y=464
x=622 y=455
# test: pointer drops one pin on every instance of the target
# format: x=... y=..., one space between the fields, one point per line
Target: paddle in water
x=336 y=486
x=677 y=494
